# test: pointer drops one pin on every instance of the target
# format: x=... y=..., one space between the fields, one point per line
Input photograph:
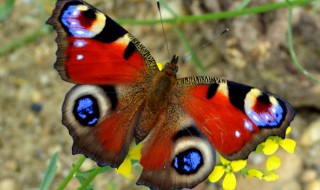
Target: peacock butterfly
x=121 y=96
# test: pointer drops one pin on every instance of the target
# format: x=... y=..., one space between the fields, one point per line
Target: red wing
x=176 y=154
x=101 y=120
x=93 y=49
x=234 y=117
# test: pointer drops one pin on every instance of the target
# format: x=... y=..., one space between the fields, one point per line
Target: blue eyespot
x=188 y=162
x=272 y=117
x=75 y=21
x=86 y=110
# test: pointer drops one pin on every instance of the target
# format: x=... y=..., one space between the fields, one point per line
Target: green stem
x=216 y=16
x=292 y=51
x=76 y=167
x=25 y=40
x=92 y=175
x=194 y=56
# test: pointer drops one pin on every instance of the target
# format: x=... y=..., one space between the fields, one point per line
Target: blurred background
x=255 y=51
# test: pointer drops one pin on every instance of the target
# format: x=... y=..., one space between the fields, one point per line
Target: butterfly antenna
x=209 y=42
x=164 y=34
x=226 y=30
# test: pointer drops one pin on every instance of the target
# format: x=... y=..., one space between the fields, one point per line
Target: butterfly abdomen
x=161 y=90
x=159 y=95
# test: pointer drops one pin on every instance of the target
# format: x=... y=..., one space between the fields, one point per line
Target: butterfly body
x=121 y=96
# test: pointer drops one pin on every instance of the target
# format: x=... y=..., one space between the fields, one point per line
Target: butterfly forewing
x=235 y=117
x=93 y=49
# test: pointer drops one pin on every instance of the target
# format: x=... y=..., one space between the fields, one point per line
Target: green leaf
x=72 y=173
x=6 y=9
x=86 y=184
x=50 y=173
x=105 y=169
x=259 y=148
x=82 y=180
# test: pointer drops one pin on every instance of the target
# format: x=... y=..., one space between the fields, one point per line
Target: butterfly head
x=171 y=68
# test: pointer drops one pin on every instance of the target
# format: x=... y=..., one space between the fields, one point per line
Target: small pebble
x=36 y=107
x=11 y=165
x=314 y=185
x=311 y=135
x=9 y=184
x=292 y=184
x=308 y=175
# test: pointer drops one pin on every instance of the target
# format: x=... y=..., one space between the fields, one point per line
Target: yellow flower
x=227 y=167
x=288 y=145
x=126 y=166
x=255 y=173
x=271 y=176
x=272 y=164
x=160 y=66
x=271 y=145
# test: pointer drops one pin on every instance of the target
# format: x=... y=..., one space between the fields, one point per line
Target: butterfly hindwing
x=93 y=49
x=234 y=117
x=100 y=120
x=176 y=154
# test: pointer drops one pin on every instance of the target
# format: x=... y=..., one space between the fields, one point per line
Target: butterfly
x=120 y=96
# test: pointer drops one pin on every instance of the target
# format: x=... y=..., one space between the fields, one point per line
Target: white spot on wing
x=75 y=13
x=255 y=117
x=80 y=32
x=73 y=23
x=79 y=57
x=237 y=133
x=248 y=125
x=79 y=43
x=273 y=110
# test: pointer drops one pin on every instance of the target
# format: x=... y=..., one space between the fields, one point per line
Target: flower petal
x=224 y=161
x=288 y=145
x=216 y=174
x=270 y=147
x=273 y=163
x=255 y=173
x=238 y=165
x=271 y=177
x=125 y=168
x=135 y=152
x=160 y=66
x=229 y=182
x=288 y=131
